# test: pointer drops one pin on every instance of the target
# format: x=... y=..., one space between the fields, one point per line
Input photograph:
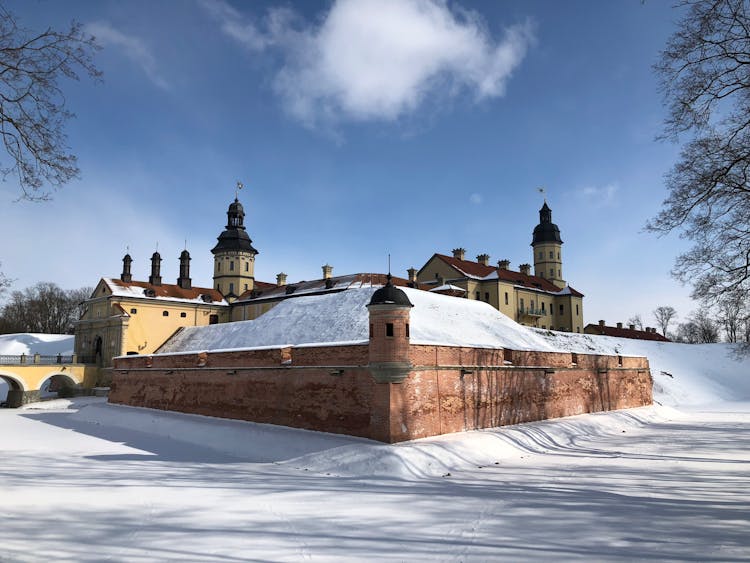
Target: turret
x=184 y=280
x=125 y=275
x=234 y=255
x=389 y=310
x=155 y=277
x=547 y=246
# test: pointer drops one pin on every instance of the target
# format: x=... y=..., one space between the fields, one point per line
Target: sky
x=360 y=129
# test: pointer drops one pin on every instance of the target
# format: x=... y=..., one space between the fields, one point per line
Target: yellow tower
x=234 y=256
x=547 y=247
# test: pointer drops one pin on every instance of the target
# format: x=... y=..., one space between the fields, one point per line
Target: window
x=541 y=254
x=372 y=331
x=559 y=274
x=558 y=255
x=389 y=329
x=506 y=297
x=183 y=314
x=478 y=296
x=245 y=287
x=552 y=272
x=213 y=319
x=231 y=266
x=551 y=255
x=576 y=308
x=487 y=296
x=231 y=288
x=133 y=311
x=218 y=287
x=247 y=266
x=543 y=311
x=407 y=330
x=522 y=304
x=165 y=313
x=562 y=308
x=218 y=266
x=436 y=275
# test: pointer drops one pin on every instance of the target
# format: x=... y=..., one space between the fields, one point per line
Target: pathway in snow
x=642 y=484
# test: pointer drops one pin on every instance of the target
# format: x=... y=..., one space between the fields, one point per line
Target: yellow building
x=123 y=316
x=541 y=300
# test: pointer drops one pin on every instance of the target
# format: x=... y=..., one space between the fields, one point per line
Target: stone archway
x=11 y=391
x=51 y=385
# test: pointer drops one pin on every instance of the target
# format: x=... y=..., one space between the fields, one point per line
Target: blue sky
x=361 y=128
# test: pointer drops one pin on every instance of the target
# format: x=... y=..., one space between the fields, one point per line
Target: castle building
x=124 y=316
x=542 y=300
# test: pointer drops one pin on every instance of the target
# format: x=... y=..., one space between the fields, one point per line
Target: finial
x=389 y=265
x=240 y=185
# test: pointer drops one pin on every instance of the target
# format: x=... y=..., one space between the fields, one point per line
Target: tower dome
x=234 y=255
x=389 y=294
x=546 y=230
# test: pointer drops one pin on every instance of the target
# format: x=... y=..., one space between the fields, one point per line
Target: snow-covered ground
x=83 y=480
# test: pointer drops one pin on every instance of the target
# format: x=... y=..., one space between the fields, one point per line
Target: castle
x=126 y=316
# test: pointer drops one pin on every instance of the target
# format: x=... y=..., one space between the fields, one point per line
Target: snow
x=33 y=343
x=137 y=291
x=343 y=318
x=83 y=480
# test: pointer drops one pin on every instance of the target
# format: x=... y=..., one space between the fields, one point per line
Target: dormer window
x=148 y=292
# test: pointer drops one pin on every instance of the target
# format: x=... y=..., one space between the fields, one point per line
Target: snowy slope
x=30 y=343
x=343 y=318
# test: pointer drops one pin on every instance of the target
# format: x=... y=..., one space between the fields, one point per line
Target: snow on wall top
x=343 y=318
x=35 y=343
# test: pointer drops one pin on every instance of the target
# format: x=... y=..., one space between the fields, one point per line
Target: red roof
x=477 y=270
x=171 y=290
x=624 y=333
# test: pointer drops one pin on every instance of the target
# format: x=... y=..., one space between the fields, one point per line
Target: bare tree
x=44 y=307
x=734 y=314
x=32 y=105
x=664 y=316
x=700 y=328
x=705 y=78
x=4 y=281
x=636 y=321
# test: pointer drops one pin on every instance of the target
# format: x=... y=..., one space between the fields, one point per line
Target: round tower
x=547 y=246
x=234 y=255
x=389 y=310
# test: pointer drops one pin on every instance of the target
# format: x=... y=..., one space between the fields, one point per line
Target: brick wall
x=330 y=389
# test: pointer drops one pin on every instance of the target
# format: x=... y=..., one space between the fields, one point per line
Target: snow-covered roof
x=449 y=287
x=342 y=318
x=164 y=292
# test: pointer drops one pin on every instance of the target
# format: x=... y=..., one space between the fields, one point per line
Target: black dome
x=389 y=294
x=235 y=236
x=546 y=230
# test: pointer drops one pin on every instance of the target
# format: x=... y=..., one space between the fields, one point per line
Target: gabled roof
x=171 y=292
x=592 y=328
x=273 y=292
x=478 y=271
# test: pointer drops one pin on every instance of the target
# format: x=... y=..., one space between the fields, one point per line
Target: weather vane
x=240 y=185
x=543 y=192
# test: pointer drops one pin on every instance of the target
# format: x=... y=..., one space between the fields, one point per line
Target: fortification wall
x=331 y=389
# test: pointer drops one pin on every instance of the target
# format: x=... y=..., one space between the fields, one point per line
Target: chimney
x=619 y=325
x=126 y=261
x=459 y=253
x=503 y=264
x=525 y=269
x=631 y=327
x=155 y=277
x=280 y=279
x=601 y=324
x=484 y=259
x=184 y=280
x=412 y=272
x=327 y=272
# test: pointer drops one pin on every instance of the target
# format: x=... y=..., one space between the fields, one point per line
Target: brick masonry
x=331 y=388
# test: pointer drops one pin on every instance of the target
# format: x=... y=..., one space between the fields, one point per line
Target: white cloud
x=476 y=199
x=131 y=46
x=599 y=196
x=371 y=60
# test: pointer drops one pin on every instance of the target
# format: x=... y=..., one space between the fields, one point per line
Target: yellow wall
x=235 y=268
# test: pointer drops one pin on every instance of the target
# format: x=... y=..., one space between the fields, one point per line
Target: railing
x=531 y=312
x=37 y=359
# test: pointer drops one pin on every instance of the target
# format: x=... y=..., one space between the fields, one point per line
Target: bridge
x=26 y=375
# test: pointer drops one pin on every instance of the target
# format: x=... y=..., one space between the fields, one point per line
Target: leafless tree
x=664 y=316
x=44 y=308
x=636 y=321
x=734 y=315
x=32 y=105
x=705 y=79
x=4 y=281
x=700 y=328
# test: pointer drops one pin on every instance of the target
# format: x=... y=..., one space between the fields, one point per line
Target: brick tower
x=389 y=310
